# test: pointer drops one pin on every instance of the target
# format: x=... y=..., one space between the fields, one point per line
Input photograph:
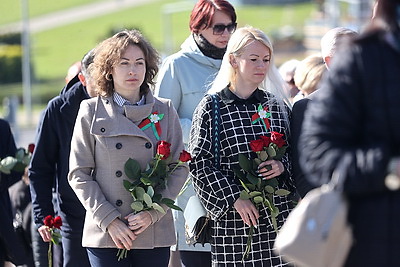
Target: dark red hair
x=203 y=12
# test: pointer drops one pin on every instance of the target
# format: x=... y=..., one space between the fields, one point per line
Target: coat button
x=118 y=173
x=148 y=145
x=107 y=102
x=118 y=202
x=102 y=130
x=118 y=145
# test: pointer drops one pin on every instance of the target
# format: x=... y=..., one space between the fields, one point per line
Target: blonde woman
x=247 y=80
x=308 y=74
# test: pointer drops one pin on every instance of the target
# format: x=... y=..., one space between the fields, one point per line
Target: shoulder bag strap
x=216 y=121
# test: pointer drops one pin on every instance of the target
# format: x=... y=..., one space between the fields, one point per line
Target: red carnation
x=53 y=224
x=163 y=149
x=277 y=138
x=48 y=221
x=185 y=156
x=266 y=140
x=57 y=222
x=31 y=148
x=257 y=145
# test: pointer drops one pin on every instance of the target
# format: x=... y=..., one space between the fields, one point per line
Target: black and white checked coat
x=218 y=189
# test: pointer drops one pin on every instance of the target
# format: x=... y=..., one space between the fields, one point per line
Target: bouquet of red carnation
x=261 y=191
x=53 y=224
x=143 y=185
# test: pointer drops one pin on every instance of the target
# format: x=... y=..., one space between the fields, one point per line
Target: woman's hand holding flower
x=121 y=234
x=270 y=169
x=139 y=222
x=247 y=211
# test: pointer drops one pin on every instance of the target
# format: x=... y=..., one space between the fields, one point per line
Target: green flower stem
x=155 y=166
x=176 y=166
x=49 y=255
x=122 y=253
x=185 y=185
x=249 y=242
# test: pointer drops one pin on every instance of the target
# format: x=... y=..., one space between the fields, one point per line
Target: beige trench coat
x=102 y=142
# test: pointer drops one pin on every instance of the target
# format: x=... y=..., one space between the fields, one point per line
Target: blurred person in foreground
x=247 y=85
x=49 y=167
x=330 y=43
x=355 y=115
x=108 y=131
x=184 y=78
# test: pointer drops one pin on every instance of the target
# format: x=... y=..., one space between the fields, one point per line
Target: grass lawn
x=55 y=50
x=13 y=12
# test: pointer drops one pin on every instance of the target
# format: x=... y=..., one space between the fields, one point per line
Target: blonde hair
x=308 y=73
x=109 y=52
x=239 y=40
x=273 y=82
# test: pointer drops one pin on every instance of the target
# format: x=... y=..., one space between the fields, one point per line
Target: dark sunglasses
x=219 y=29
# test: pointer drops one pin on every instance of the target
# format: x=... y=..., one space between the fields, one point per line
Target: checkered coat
x=218 y=189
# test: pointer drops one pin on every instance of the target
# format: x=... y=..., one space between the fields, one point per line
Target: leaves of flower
x=157 y=207
x=245 y=163
x=244 y=195
x=132 y=169
x=282 y=192
x=147 y=200
x=137 y=205
x=7 y=164
x=139 y=192
x=271 y=151
x=170 y=203
x=269 y=189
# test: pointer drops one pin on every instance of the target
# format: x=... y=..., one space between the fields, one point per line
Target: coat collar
x=71 y=98
x=228 y=97
x=108 y=121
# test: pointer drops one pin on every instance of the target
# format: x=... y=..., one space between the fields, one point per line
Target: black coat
x=357 y=113
x=218 y=189
x=50 y=162
x=11 y=248
x=303 y=185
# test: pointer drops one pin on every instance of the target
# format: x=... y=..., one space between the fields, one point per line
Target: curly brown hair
x=109 y=52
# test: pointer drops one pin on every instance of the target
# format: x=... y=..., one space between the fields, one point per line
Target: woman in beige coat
x=106 y=134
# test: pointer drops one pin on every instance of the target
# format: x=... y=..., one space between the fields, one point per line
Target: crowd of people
x=125 y=115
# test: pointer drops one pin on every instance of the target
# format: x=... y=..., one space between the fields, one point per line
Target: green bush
x=10 y=39
x=10 y=64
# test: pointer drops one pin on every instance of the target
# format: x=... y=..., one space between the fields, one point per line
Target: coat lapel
x=108 y=121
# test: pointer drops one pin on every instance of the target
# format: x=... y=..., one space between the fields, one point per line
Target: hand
x=121 y=234
x=45 y=233
x=276 y=169
x=247 y=211
x=139 y=222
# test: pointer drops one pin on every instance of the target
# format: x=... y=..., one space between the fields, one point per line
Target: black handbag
x=198 y=222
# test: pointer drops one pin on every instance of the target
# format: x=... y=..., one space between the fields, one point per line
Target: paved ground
x=72 y=15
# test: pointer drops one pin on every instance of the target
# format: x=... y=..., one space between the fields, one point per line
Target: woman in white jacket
x=184 y=78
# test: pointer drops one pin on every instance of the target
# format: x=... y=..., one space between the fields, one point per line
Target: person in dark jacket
x=356 y=114
x=49 y=167
x=21 y=204
x=11 y=249
x=330 y=42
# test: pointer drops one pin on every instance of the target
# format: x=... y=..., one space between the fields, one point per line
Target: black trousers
x=106 y=257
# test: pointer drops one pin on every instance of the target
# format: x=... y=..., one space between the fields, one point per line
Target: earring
x=109 y=77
